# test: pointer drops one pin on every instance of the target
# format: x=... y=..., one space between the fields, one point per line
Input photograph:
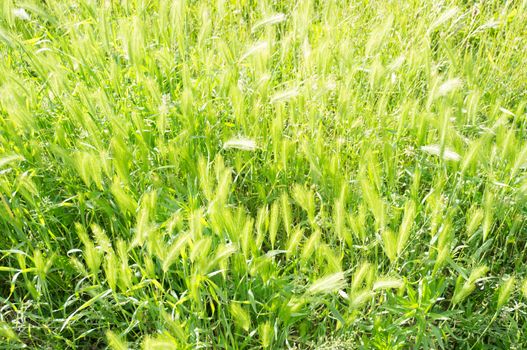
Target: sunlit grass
x=263 y=174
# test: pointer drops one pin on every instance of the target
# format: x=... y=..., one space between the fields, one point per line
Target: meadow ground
x=241 y=174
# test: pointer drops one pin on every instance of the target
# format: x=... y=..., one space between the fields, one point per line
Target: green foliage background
x=263 y=174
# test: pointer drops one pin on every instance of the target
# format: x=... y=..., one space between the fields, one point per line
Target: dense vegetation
x=179 y=174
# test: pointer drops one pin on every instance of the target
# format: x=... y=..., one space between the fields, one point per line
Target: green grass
x=180 y=174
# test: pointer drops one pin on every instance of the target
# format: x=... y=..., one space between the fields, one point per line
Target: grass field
x=242 y=174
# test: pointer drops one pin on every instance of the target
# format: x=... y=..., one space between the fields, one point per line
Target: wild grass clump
x=263 y=174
